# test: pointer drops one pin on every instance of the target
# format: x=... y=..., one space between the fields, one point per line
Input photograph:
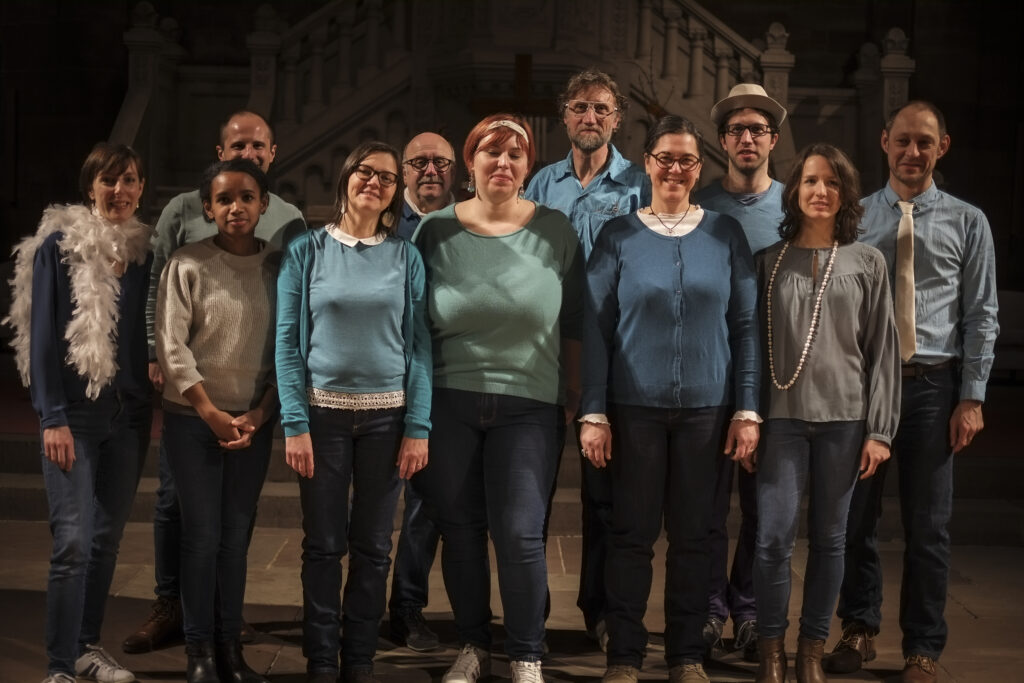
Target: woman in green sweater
x=504 y=279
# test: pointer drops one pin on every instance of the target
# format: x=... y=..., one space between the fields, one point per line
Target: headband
x=510 y=124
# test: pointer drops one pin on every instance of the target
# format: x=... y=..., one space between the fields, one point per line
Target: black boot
x=202 y=668
x=232 y=667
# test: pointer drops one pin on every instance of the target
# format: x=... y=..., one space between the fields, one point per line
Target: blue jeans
x=922 y=454
x=89 y=506
x=492 y=467
x=733 y=594
x=166 y=532
x=663 y=467
x=417 y=545
x=218 y=492
x=821 y=458
x=357 y=448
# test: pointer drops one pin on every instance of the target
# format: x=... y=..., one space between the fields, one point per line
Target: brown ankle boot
x=808 y=661
x=771 y=653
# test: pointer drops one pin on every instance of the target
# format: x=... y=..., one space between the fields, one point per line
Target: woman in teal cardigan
x=353 y=366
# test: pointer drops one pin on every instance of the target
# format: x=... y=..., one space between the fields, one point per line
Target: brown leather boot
x=808 y=661
x=771 y=653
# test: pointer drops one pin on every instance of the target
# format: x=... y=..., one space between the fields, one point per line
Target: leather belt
x=921 y=369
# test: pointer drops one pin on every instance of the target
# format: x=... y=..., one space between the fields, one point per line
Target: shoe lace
x=468 y=661
x=161 y=610
x=849 y=635
x=527 y=672
x=745 y=634
x=924 y=663
x=103 y=657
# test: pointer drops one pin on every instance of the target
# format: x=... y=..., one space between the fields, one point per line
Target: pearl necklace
x=674 y=225
x=815 y=317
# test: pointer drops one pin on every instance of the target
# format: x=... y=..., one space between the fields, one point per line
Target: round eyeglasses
x=421 y=163
x=756 y=130
x=581 y=107
x=687 y=162
x=387 y=178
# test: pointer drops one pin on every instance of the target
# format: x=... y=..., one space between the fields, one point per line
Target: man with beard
x=593 y=184
x=428 y=168
x=748 y=128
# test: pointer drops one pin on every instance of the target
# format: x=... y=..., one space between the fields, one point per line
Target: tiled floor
x=985 y=613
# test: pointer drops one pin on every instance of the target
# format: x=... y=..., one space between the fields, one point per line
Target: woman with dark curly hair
x=832 y=360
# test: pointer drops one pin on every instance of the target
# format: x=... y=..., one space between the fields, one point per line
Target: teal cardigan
x=292 y=339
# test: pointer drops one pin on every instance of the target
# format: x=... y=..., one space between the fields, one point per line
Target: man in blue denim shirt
x=944 y=382
x=593 y=184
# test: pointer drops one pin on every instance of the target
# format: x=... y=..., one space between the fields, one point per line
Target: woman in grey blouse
x=832 y=360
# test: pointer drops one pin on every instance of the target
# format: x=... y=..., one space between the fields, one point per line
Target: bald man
x=428 y=168
x=245 y=135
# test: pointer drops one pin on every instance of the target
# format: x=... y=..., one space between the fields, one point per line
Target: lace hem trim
x=322 y=398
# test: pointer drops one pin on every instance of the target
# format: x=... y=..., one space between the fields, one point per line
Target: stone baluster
x=896 y=68
x=371 y=49
x=698 y=35
x=290 y=112
x=145 y=44
x=670 y=52
x=723 y=57
x=315 y=95
x=776 y=63
x=263 y=42
x=643 y=38
x=870 y=114
x=343 y=76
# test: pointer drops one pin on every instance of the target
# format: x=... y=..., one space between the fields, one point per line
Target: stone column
x=670 y=52
x=698 y=34
x=264 y=43
x=896 y=68
x=643 y=38
x=145 y=43
x=315 y=97
x=723 y=56
x=343 y=76
x=870 y=116
x=776 y=63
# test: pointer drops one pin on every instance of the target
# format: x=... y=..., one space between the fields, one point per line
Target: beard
x=589 y=140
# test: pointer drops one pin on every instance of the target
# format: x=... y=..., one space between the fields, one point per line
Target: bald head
x=247 y=135
x=429 y=187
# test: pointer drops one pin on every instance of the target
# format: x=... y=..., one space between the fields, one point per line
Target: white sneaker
x=526 y=672
x=59 y=678
x=471 y=664
x=99 y=666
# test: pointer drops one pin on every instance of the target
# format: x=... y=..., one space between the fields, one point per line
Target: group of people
x=416 y=345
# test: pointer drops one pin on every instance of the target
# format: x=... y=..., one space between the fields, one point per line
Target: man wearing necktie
x=942 y=266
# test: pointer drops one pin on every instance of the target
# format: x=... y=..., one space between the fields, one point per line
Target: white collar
x=350 y=241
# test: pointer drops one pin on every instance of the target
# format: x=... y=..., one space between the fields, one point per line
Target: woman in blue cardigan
x=353 y=367
x=670 y=371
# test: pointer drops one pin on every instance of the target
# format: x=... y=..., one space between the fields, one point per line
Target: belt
x=921 y=369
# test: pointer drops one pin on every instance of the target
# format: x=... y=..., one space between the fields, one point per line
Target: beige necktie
x=906 y=323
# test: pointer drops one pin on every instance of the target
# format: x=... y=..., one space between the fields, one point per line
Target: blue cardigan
x=670 y=322
x=292 y=341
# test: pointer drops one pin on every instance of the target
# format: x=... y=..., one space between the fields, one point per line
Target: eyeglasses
x=581 y=107
x=756 y=130
x=687 y=162
x=364 y=172
x=421 y=163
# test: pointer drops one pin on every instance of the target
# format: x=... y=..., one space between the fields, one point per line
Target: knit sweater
x=214 y=324
x=670 y=322
x=500 y=306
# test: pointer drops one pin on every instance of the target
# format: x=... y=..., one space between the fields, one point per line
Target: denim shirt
x=955 y=279
x=621 y=188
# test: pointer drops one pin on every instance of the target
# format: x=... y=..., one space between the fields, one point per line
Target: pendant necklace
x=670 y=228
x=815 y=317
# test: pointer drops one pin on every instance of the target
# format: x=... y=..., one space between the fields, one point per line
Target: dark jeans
x=821 y=458
x=733 y=594
x=89 y=505
x=218 y=491
x=922 y=454
x=417 y=545
x=166 y=532
x=663 y=468
x=596 y=497
x=357 y=448
x=492 y=467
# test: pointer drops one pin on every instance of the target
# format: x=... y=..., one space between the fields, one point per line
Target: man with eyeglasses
x=428 y=168
x=245 y=135
x=593 y=184
x=748 y=123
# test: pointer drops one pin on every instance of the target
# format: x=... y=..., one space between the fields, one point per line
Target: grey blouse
x=852 y=371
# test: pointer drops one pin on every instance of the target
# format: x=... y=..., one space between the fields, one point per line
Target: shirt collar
x=411 y=208
x=616 y=165
x=348 y=240
x=926 y=198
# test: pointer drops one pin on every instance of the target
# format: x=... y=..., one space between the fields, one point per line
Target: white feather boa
x=89 y=246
